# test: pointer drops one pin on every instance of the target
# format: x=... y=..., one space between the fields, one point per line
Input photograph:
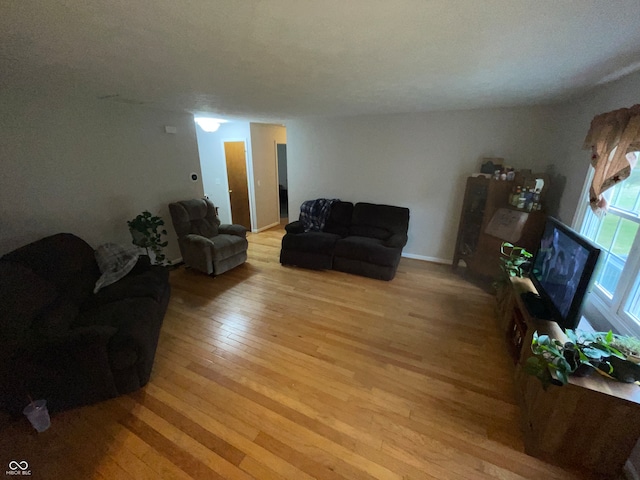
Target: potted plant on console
x=611 y=355
x=514 y=262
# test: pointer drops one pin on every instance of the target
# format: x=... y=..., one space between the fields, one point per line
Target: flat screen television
x=562 y=272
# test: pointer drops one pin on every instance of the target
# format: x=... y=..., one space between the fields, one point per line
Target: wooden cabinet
x=592 y=422
x=479 y=250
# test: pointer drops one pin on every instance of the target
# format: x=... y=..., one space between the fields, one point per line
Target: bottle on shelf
x=522 y=200
x=515 y=196
x=528 y=202
x=536 y=199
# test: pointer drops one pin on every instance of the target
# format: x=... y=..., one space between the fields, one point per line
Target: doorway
x=281 y=151
x=236 y=159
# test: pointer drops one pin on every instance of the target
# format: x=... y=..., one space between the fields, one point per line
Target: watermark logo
x=18 y=468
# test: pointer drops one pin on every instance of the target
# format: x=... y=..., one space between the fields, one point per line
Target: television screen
x=562 y=271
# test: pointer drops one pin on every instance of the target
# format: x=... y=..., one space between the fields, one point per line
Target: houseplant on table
x=147 y=231
x=553 y=361
x=514 y=262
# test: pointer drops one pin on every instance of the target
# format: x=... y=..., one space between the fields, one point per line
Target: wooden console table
x=592 y=422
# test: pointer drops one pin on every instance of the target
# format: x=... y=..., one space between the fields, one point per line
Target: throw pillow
x=114 y=261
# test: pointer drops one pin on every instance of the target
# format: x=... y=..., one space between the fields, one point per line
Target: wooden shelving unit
x=479 y=250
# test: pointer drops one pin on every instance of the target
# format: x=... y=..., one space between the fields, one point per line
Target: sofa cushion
x=367 y=249
x=339 y=219
x=316 y=242
x=143 y=281
x=225 y=246
x=378 y=221
x=23 y=295
x=56 y=319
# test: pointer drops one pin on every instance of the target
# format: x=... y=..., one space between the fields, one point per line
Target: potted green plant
x=146 y=232
x=514 y=261
x=629 y=346
x=554 y=361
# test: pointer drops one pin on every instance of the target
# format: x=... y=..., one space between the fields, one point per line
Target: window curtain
x=612 y=138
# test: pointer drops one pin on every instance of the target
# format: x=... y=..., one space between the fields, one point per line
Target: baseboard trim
x=265 y=228
x=630 y=471
x=428 y=259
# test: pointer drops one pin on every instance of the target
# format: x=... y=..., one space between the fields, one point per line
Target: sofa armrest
x=397 y=240
x=294 y=227
x=197 y=241
x=237 y=230
x=132 y=348
x=143 y=281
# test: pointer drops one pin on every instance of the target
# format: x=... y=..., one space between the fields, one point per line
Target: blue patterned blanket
x=314 y=213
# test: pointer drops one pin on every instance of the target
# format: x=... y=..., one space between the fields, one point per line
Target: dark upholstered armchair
x=205 y=244
x=66 y=344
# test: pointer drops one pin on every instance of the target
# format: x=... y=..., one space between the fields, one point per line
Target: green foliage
x=627 y=345
x=514 y=261
x=146 y=230
x=553 y=361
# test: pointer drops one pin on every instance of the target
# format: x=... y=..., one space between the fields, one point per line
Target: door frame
x=249 y=162
x=275 y=147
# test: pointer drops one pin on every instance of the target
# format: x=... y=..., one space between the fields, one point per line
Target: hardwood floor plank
x=170 y=448
x=304 y=463
x=201 y=435
x=179 y=397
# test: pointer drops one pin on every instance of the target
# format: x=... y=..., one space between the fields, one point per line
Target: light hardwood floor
x=277 y=372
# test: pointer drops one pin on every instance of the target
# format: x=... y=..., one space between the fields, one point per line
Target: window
x=617 y=282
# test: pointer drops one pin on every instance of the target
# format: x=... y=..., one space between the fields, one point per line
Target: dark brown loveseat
x=62 y=342
x=364 y=239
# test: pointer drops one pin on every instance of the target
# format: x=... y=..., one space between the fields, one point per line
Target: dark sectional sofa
x=62 y=342
x=364 y=239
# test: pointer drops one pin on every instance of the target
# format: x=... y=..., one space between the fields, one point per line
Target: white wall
x=214 y=166
x=418 y=161
x=264 y=138
x=88 y=166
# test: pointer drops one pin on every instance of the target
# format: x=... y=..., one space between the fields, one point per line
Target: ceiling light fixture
x=208 y=124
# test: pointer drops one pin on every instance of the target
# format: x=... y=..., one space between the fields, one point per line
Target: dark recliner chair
x=365 y=239
x=62 y=342
x=205 y=244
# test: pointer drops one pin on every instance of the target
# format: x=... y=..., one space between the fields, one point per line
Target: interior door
x=236 y=159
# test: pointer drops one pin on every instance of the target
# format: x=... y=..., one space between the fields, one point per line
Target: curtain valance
x=611 y=138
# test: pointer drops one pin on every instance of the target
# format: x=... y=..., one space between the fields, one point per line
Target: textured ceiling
x=282 y=59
